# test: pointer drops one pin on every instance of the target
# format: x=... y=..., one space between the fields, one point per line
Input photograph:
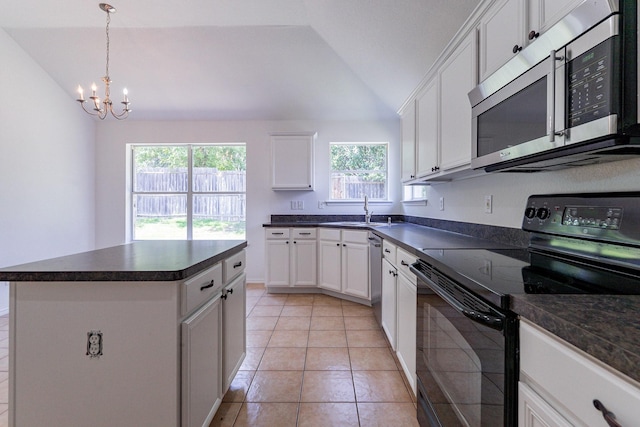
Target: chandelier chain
x=107 y=31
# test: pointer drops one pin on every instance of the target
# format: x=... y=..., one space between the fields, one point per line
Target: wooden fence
x=222 y=207
x=344 y=187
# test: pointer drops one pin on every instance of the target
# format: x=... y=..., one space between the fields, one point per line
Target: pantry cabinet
x=291 y=257
x=344 y=262
x=563 y=393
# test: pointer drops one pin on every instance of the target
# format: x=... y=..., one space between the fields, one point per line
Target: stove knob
x=543 y=213
x=530 y=212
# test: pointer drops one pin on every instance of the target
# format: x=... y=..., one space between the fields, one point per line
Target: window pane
x=346 y=186
x=219 y=216
x=160 y=169
x=352 y=157
x=219 y=169
x=160 y=217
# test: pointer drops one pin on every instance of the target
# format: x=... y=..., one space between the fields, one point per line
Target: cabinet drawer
x=389 y=251
x=304 y=233
x=199 y=288
x=234 y=265
x=277 y=233
x=329 y=234
x=569 y=380
x=355 y=236
x=405 y=259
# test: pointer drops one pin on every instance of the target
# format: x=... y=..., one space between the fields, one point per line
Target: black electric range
x=465 y=330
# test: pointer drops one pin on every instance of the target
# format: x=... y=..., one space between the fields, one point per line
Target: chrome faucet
x=367 y=215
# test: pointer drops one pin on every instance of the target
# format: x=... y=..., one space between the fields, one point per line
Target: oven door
x=466 y=360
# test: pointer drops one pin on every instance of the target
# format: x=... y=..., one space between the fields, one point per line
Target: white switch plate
x=441 y=203
x=488 y=204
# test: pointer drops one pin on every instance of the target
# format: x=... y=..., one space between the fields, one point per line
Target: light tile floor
x=315 y=360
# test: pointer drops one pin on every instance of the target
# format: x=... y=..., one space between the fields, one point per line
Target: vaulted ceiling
x=242 y=59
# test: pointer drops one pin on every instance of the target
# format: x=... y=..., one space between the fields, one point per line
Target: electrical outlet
x=300 y=205
x=488 y=204
x=293 y=205
x=320 y=205
x=441 y=203
x=94 y=344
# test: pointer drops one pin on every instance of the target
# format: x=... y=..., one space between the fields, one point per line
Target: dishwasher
x=375 y=274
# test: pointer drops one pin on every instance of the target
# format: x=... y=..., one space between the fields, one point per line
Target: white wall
x=47 y=160
x=111 y=185
x=464 y=200
x=47 y=153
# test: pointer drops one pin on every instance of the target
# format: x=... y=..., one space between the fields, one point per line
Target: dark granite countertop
x=606 y=327
x=158 y=260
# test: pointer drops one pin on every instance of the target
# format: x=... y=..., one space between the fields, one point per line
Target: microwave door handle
x=551 y=98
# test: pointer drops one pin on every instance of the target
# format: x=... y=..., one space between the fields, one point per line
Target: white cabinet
x=291 y=257
x=406 y=317
x=201 y=367
x=292 y=161
x=408 y=119
x=559 y=383
x=234 y=318
x=457 y=79
x=427 y=129
x=344 y=262
x=389 y=301
x=510 y=25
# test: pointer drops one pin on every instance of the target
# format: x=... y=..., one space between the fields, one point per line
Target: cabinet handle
x=210 y=285
x=533 y=34
x=516 y=49
x=305 y=234
x=294 y=242
x=608 y=416
x=277 y=234
x=387 y=251
x=230 y=290
x=404 y=263
x=337 y=244
x=344 y=244
x=224 y=295
x=237 y=264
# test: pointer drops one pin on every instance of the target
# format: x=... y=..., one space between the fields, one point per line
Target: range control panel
x=613 y=217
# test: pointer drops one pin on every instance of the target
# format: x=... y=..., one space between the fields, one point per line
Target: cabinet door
x=457 y=78
x=304 y=263
x=406 y=348
x=501 y=29
x=389 y=274
x=292 y=162
x=234 y=343
x=201 y=365
x=329 y=259
x=277 y=254
x=427 y=130
x=543 y=14
x=408 y=120
x=534 y=411
x=355 y=269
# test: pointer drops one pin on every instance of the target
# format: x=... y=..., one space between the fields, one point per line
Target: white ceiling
x=242 y=59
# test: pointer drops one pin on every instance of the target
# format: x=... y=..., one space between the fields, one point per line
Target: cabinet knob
x=344 y=244
x=294 y=242
x=516 y=49
x=533 y=34
x=337 y=244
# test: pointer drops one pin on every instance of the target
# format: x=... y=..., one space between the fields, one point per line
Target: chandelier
x=102 y=108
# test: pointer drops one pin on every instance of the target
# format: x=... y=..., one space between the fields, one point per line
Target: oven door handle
x=489 y=320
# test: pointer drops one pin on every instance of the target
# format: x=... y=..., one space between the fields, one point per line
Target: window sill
x=356 y=202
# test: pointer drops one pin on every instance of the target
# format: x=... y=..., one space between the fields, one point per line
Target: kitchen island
x=143 y=334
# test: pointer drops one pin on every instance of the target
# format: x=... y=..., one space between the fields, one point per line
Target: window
x=414 y=193
x=190 y=192
x=358 y=169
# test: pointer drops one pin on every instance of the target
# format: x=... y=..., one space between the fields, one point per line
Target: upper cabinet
x=292 y=161
x=427 y=129
x=408 y=118
x=511 y=25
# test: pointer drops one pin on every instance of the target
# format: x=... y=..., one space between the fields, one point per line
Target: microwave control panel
x=590 y=77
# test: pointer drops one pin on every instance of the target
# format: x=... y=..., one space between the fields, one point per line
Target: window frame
x=385 y=172
x=189 y=193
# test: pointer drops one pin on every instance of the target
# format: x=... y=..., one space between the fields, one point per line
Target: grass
x=175 y=228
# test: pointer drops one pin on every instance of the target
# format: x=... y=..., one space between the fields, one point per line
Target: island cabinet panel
x=54 y=382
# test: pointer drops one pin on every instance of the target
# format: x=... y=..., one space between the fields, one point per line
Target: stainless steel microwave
x=570 y=98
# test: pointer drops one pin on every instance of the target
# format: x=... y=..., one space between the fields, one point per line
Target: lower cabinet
x=406 y=327
x=389 y=301
x=234 y=322
x=343 y=260
x=559 y=385
x=201 y=367
x=291 y=257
